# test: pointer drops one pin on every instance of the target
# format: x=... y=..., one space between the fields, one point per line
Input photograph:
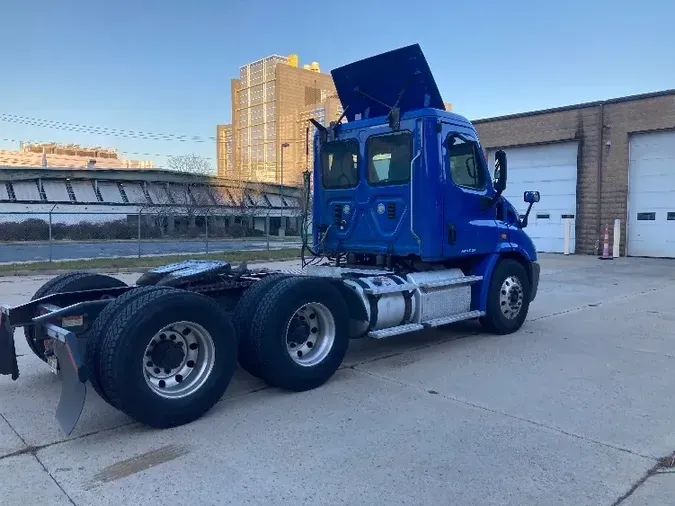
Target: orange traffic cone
x=605 y=246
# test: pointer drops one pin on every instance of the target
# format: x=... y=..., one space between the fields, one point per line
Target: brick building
x=594 y=163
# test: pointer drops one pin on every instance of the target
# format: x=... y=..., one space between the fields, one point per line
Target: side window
x=339 y=164
x=389 y=158
x=464 y=163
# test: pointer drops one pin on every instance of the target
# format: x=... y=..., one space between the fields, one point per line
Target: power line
x=114 y=132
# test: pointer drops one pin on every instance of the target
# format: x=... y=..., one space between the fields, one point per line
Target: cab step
x=437 y=322
x=395 y=331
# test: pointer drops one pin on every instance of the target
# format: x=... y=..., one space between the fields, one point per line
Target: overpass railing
x=62 y=233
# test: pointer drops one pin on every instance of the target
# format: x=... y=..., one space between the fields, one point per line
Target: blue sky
x=165 y=66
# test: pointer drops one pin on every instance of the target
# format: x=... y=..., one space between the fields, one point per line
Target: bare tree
x=186 y=199
x=249 y=202
x=190 y=164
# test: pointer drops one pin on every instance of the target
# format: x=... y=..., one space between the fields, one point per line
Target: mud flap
x=73 y=377
x=8 y=363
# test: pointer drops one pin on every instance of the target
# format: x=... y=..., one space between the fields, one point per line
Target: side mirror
x=500 y=171
x=531 y=197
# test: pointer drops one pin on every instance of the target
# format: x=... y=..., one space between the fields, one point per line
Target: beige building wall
x=254 y=109
x=301 y=93
x=224 y=150
x=329 y=110
x=268 y=99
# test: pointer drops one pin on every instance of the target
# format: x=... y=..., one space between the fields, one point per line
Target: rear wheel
x=97 y=330
x=167 y=357
x=244 y=313
x=300 y=333
x=68 y=282
x=508 y=298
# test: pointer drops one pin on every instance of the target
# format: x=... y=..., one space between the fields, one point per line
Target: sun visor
x=370 y=87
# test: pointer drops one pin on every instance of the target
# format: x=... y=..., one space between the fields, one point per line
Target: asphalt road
x=62 y=250
x=572 y=410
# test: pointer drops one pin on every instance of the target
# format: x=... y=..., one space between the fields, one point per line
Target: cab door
x=470 y=226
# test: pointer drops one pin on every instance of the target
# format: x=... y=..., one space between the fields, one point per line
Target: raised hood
x=378 y=81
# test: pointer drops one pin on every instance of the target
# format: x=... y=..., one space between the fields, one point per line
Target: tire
x=126 y=361
x=244 y=314
x=319 y=301
x=509 y=279
x=68 y=282
x=96 y=332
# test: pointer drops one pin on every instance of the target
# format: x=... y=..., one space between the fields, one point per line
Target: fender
x=486 y=267
x=354 y=304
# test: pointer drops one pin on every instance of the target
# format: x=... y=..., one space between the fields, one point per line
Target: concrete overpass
x=72 y=195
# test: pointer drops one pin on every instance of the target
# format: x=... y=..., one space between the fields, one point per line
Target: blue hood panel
x=381 y=78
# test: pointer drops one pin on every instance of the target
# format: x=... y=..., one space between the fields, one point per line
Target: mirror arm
x=523 y=219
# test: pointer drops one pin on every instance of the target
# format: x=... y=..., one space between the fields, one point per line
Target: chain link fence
x=30 y=236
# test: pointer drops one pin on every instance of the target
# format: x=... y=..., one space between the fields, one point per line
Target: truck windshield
x=389 y=157
x=339 y=164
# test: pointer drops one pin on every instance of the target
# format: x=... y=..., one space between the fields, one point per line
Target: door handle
x=452 y=234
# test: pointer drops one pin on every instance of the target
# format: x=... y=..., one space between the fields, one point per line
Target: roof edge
x=583 y=105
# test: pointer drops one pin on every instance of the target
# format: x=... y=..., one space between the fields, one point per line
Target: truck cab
x=403 y=178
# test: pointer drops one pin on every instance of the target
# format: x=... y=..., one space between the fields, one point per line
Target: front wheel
x=508 y=298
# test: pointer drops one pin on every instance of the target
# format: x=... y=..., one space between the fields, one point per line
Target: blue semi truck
x=409 y=231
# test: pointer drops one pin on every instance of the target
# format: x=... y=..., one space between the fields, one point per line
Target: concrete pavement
x=572 y=410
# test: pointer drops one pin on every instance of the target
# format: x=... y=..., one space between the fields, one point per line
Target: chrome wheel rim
x=310 y=334
x=511 y=297
x=178 y=360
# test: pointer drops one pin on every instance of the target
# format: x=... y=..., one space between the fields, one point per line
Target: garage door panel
x=560 y=195
x=655 y=171
x=652 y=146
x=552 y=170
x=651 y=195
x=660 y=202
x=540 y=174
x=546 y=155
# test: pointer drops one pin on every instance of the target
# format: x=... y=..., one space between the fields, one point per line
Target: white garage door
x=651 y=195
x=550 y=169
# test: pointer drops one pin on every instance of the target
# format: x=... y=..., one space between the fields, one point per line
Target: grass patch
x=119 y=263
